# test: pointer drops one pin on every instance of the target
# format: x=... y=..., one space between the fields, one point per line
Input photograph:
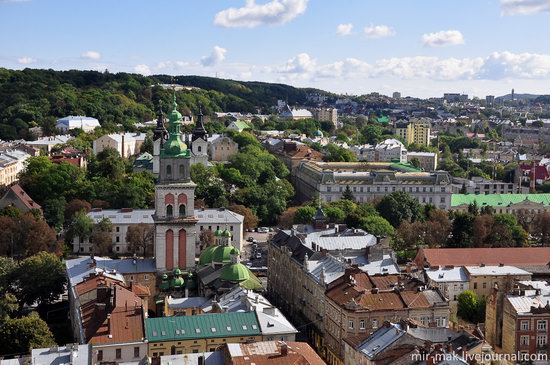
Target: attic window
x=154 y=333
x=177 y=332
x=163 y=333
x=197 y=330
x=245 y=328
x=228 y=329
x=213 y=329
x=254 y=327
x=182 y=332
x=269 y=324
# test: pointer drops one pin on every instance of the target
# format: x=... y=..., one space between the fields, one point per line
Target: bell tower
x=174 y=218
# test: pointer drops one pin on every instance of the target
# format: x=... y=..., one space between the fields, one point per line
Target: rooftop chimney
x=284 y=349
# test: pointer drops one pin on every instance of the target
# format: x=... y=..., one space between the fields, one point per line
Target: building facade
x=127 y=144
x=12 y=163
x=415 y=131
x=427 y=160
x=329 y=180
x=221 y=148
x=87 y=124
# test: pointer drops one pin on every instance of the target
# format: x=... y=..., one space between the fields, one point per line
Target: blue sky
x=418 y=47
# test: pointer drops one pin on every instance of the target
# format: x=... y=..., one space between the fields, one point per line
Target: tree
x=40 y=278
x=8 y=305
x=54 y=212
x=26 y=235
x=20 y=335
x=415 y=162
x=107 y=163
x=7 y=272
x=101 y=237
x=286 y=219
x=376 y=226
x=207 y=238
x=140 y=239
x=347 y=194
x=334 y=214
x=250 y=219
x=304 y=215
x=76 y=206
x=471 y=307
x=81 y=225
x=244 y=139
x=541 y=228
x=399 y=206
x=462 y=231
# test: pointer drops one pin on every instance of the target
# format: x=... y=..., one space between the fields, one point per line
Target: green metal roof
x=202 y=326
x=403 y=167
x=242 y=124
x=206 y=255
x=235 y=273
x=383 y=119
x=498 y=200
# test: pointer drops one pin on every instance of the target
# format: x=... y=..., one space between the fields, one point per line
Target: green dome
x=226 y=233
x=177 y=271
x=174 y=146
x=318 y=133
x=164 y=277
x=234 y=251
x=206 y=256
x=222 y=254
x=235 y=272
x=218 y=232
x=175 y=116
x=177 y=282
x=164 y=285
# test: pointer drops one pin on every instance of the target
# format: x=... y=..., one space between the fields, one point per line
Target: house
x=427 y=160
x=238 y=126
x=16 y=197
x=12 y=162
x=46 y=144
x=295 y=114
x=221 y=148
x=127 y=144
x=87 y=124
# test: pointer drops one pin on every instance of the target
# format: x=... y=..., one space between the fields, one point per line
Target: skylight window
x=254 y=327
x=245 y=328
x=197 y=330
x=228 y=328
x=213 y=329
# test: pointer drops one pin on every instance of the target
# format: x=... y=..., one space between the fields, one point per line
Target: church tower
x=174 y=218
x=199 y=141
x=159 y=136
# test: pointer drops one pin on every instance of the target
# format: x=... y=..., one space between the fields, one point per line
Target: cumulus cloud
x=524 y=7
x=443 y=38
x=217 y=56
x=344 y=29
x=497 y=66
x=378 y=31
x=26 y=60
x=143 y=69
x=91 y=55
x=252 y=15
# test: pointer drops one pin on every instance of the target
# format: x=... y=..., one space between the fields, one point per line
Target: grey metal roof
x=69 y=354
x=208 y=358
x=455 y=274
x=380 y=340
x=135 y=216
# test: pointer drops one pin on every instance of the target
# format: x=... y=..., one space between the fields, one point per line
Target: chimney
x=284 y=349
x=123 y=146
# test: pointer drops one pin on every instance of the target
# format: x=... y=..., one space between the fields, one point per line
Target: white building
x=295 y=114
x=450 y=280
x=208 y=219
x=11 y=164
x=427 y=160
x=386 y=151
x=87 y=124
x=46 y=144
x=127 y=144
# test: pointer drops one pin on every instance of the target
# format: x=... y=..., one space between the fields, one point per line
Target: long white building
x=121 y=219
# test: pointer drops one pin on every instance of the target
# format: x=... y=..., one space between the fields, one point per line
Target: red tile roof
x=269 y=352
x=23 y=197
x=513 y=256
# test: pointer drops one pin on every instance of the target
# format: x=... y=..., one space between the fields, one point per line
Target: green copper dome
x=177 y=271
x=226 y=233
x=206 y=256
x=235 y=251
x=222 y=254
x=164 y=285
x=218 y=233
x=174 y=146
x=235 y=272
x=177 y=283
x=318 y=133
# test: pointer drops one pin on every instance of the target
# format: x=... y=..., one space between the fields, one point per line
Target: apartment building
x=370 y=181
x=427 y=160
x=221 y=148
x=127 y=144
x=12 y=163
x=387 y=151
x=416 y=130
x=326 y=115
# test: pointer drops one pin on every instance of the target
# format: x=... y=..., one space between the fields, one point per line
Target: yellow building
x=415 y=131
x=200 y=333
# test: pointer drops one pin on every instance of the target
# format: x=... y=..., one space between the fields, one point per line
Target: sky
x=421 y=48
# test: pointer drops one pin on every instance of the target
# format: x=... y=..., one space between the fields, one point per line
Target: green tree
x=415 y=162
x=376 y=226
x=462 y=231
x=140 y=239
x=101 y=237
x=244 y=139
x=40 y=278
x=399 y=206
x=347 y=194
x=108 y=164
x=471 y=307
x=304 y=215
x=335 y=214
x=20 y=335
x=54 y=212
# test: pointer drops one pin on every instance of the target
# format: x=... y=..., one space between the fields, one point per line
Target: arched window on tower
x=199 y=148
x=182 y=170
x=169 y=171
x=169 y=210
x=182 y=210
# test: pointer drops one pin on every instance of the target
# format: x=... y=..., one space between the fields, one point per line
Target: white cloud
x=524 y=7
x=378 y=31
x=14 y=1
x=91 y=55
x=301 y=64
x=217 y=56
x=344 y=29
x=500 y=65
x=143 y=69
x=26 y=60
x=252 y=15
x=443 y=38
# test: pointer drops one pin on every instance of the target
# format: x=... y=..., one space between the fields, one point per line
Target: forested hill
x=33 y=97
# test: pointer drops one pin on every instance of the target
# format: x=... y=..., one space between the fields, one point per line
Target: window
x=136 y=351
x=475 y=285
x=524 y=340
x=362 y=324
x=442 y=200
x=118 y=229
x=441 y=321
x=169 y=170
x=541 y=326
x=100 y=355
x=117 y=239
x=484 y=285
x=182 y=210
x=146 y=277
x=442 y=189
x=169 y=210
x=199 y=148
x=118 y=354
x=350 y=323
x=525 y=325
x=541 y=340
x=182 y=170
x=374 y=323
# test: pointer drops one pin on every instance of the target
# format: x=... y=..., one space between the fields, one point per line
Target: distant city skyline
x=418 y=48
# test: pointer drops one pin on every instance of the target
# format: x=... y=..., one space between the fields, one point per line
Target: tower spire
x=160 y=130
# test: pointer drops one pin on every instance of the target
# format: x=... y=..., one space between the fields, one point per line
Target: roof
x=16 y=191
x=186 y=302
x=52 y=141
x=446 y=274
x=77 y=121
x=207 y=358
x=202 y=326
x=498 y=200
x=269 y=352
x=135 y=216
x=380 y=340
x=495 y=270
x=513 y=256
x=81 y=267
x=69 y=354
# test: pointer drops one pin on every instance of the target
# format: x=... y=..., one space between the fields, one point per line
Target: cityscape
x=274 y=182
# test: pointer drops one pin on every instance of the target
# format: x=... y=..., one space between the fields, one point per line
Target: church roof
x=236 y=272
